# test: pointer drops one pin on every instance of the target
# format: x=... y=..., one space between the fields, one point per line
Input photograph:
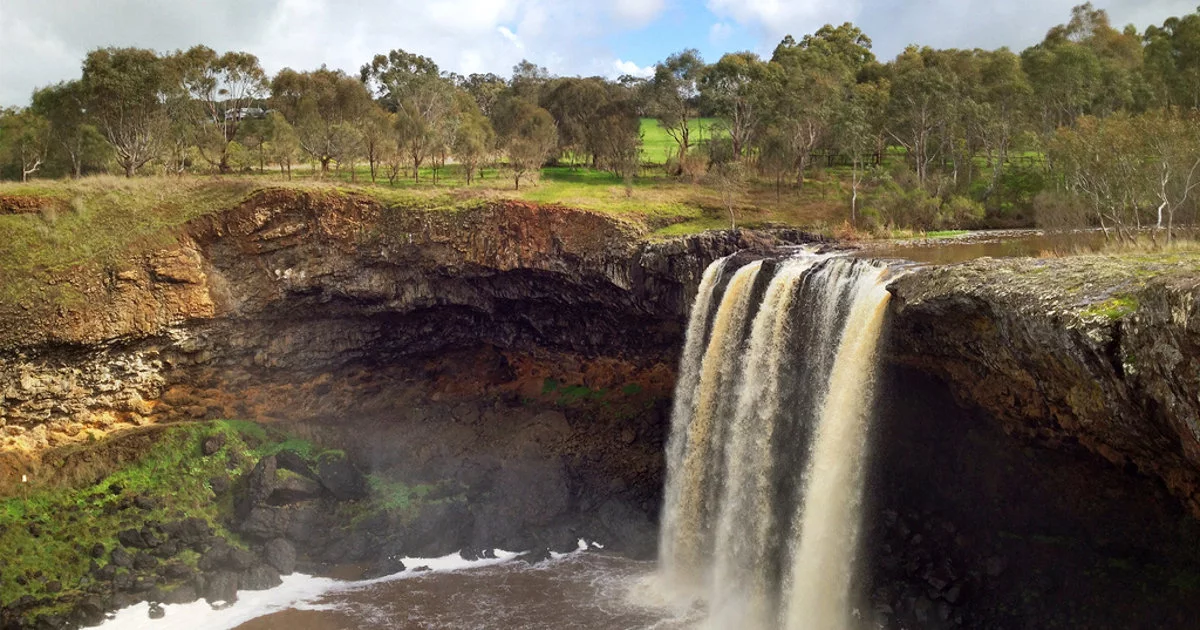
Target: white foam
x=295 y=589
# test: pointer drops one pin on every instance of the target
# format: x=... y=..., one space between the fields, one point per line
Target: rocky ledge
x=1099 y=351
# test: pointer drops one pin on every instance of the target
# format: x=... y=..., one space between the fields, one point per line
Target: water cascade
x=768 y=437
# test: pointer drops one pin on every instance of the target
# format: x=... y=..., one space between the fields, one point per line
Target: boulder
x=342 y=479
x=281 y=554
x=131 y=538
x=184 y=594
x=121 y=558
x=259 y=578
x=220 y=586
x=291 y=460
x=240 y=559
x=290 y=487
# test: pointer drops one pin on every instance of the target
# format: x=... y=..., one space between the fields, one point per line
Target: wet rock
x=121 y=558
x=220 y=484
x=259 y=578
x=183 y=594
x=90 y=610
x=220 y=586
x=143 y=561
x=342 y=479
x=536 y=556
x=132 y=539
x=292 y=461
x=177 y=571
x=389 y=565
x=156 y=611
x=240 y=559
x=281 y=554
x=145 y=503
x=97 y=551
x=290 y=487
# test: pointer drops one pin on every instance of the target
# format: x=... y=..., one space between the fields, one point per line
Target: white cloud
x=719 y=32
x=638 y=13
x=774 y=18
x=631 y=68
x=510 y=36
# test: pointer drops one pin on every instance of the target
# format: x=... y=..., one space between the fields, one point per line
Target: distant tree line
x=1091 y=126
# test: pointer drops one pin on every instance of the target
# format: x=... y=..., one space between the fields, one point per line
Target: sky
x=44 y=41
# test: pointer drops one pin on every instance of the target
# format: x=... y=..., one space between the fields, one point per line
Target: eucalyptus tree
x=378 y=138
x=486 y=89
x=528 y=135
x=321 y=106
x=575 y=104
x=674 y=92
x=1172 y=60
x=24 y=140
x=474 y=139
x=734 y=88
x=64 y=106
x=413 y=88
x=223 y=90
x=921 y=95
x=809 y=84
x=126 y=91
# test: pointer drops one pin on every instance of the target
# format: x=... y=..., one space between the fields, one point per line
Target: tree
x=282 y=142
x=1171 y=142
x=528 y=135
x=528 y=79
x=423 y=101
x=575 y=104
x=486 y=89
x=125 y=93
x=316 y=104
x=24 y=140
x=224 y=87
x=63 y=106
x=675 y=91
x=1102 y=161
x=473 y=140
x=922 y=94
x=1172 y=60
x=733 y=88
x=378 y=138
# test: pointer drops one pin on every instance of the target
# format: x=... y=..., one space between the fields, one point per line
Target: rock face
x=518 y=359
x=1103 y=352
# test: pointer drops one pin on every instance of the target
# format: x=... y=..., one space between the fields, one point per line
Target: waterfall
x=768 y=437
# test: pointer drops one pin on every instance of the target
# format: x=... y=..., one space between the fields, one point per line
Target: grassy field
x=658 y=145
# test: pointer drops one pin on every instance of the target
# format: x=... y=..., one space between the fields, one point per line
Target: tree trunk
x=128 y=169
x=517 y=181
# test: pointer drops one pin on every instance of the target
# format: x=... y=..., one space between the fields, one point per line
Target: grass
x=658 y=146
x=68 y=521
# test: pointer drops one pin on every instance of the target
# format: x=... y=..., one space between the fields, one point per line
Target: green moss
x=1112 y=309
x=68 y=521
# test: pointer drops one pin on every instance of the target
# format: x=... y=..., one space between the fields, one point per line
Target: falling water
x=768 y=437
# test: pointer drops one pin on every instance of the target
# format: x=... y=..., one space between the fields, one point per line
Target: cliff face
x=523 y=355
x=1103 y=352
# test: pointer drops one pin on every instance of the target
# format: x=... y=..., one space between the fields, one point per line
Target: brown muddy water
x=583 y=590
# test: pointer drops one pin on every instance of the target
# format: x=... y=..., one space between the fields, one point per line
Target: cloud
x=719 y=32
x=41 y=43
x=631 y=68
x=638 y=13
x=775 y=18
